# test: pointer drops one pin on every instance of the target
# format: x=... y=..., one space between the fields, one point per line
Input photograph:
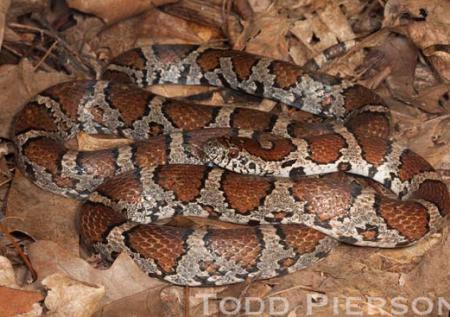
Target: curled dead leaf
x=41 y=214
x=7 y=276
x=426 y=34
x=69 y=297
x=112 y=11
x=4 y=6
x=15 y=301
x=122 y=279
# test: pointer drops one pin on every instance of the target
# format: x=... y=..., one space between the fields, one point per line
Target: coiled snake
x=260 y=179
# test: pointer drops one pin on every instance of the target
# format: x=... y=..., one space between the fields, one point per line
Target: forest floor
x=399 y=48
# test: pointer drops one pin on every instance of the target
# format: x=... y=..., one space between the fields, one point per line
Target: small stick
x=47 y=53
x=5 y=182
x=80 y=61
x=186 y=301
x=24 y=257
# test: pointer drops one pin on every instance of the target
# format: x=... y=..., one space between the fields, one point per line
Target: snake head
x=232 y=153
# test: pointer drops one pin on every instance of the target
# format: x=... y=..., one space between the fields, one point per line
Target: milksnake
x=233 y=164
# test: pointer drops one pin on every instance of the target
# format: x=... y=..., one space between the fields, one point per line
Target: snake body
x=266 y=160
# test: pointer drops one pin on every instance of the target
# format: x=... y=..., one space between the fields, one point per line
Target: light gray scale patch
x=226 y=68
x=211 y=195
x=280 y=199
x=436 y=221
x=140 y=130
x=69 y=163
x=136 y=75
x=124 y=159
x=180 y=153
x=170 y=73
x=337 y=109
x=372 y=108
x=213 y=78
x=281 y=126
x=363 y=214
x=272 y=253
x=223 y=118
x=149 y=266
x=23 y=138
x=156 y=199
x=114 y=241
x=45 y=181
x=418 y=179
x=96 y=197
x=260 y=74
x=65 y=125
x=111 y=119
x=352 y=154
x=391 y=163
x=189 y=271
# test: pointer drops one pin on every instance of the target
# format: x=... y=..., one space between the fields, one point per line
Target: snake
x=294 y=189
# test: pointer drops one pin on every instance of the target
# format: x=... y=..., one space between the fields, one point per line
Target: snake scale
x=233 y=164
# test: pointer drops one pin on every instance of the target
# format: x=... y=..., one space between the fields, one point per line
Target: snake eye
x=233 y=153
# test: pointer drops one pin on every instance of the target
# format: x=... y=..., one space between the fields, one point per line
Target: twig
x=5 y=182
x=186 y=301
x=77 y=58
x=24 y=257
x=47 y=53
x=12 y=50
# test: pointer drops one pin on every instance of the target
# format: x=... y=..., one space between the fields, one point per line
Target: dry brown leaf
x=152 y=27
x=435 y=11
x=320 y=31
x=259 y=6
x=4 y=6
x=441 y=63
x=336 y=21
x=385 y=273
x=21 y=7
x=146 y=303
x=432 y=99
x=15 y=301
x=400 y=55
x=122 y=279
x=265 y=35
x=18 y=83
x=7 y=276
x=69 y=297
x=41 y=214
x=112 y=11
x=432 y=141
x=159 y=27
x=426 y=34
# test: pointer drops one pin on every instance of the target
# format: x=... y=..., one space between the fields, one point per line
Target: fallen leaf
x=112 y=11
x=435 y=11
x=152 y=27
x=426 y=34
x=318 y=32
x=122 y=279
x=69 y=297
x=266 y=35
x=4 y=6
x=400 y=55
x=7 y=276
x=15 y=301
x=41 y=214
